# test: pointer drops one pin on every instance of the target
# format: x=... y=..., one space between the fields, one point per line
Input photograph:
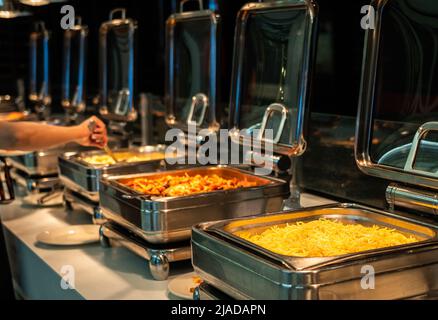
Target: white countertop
x=112 y=273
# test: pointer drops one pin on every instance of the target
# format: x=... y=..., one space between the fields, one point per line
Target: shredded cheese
x=325 y=238
x=105 y=159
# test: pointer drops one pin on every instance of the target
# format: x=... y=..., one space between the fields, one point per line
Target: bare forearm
x=34 y=136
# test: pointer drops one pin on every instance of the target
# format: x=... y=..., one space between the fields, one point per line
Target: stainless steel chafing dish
x=278 y=103
x=191 y=42
x=169 y=219
x=117 y=55
x=403 y=156
x=38 y=171
x=246 y=271
x=37 y=163
x=82 y=177
x=42 y=163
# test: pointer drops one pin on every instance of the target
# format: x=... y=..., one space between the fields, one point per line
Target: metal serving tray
x=35 y=183
x=168 y=219
x=42 y=162
x=82 y=177
x=246 y=271
x=38 y=162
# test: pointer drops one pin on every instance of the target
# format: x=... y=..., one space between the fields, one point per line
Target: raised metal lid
x=73 y=78
x=191 y=68
x=397 y=122
x=116 y=49
x=273 y=54
x=39 y=85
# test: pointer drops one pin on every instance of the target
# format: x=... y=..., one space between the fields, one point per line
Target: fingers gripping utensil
x=92 y=126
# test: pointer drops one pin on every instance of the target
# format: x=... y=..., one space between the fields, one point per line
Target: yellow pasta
x=105 y=159
x=325 y=238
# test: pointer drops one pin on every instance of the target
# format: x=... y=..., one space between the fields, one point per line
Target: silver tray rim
x=112 y=181
x=75 y=157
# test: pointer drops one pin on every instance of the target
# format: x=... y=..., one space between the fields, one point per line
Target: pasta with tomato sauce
x=173 y=186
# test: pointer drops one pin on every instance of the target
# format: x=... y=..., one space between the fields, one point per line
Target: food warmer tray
x=38 y=163
x=83 y=178
x=159 y=256
x=168 y=219
x=35 y=183
x=42 y=162
x=246 y=271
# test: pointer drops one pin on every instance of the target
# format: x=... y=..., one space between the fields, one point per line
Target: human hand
x=93 y=133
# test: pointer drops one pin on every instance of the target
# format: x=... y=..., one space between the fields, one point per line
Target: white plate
x=181 y=286
x=69 y=236
x=32 y=200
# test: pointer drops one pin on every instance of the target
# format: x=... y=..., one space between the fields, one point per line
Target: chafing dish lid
x=116 y=49
x=39 y=64
x=273 y=47
x=73 y=77
x=191 y=68
x=397 y=130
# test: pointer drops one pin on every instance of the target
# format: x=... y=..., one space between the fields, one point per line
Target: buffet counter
x=112 y=273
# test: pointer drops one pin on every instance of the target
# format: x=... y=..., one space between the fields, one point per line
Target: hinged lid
x=39 y=94
x=273 y=54
x=396 y=128
x=192 y=64
x=73 y=78
x=116 y=49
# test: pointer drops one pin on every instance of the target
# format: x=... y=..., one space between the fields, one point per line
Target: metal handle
x=10 y=196
x=419 y=136
x=198 y=99
x=122 y=12
x=183 y=2
x=405 y=197
x=122 y=102
x=273 y=108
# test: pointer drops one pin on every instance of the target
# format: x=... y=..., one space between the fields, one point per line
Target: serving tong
x=91 y=128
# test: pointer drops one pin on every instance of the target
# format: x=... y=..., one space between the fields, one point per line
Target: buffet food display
x=80 y=172
x=324 y=252
x=243 y=269
x=229 y=220
x=163 y=219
